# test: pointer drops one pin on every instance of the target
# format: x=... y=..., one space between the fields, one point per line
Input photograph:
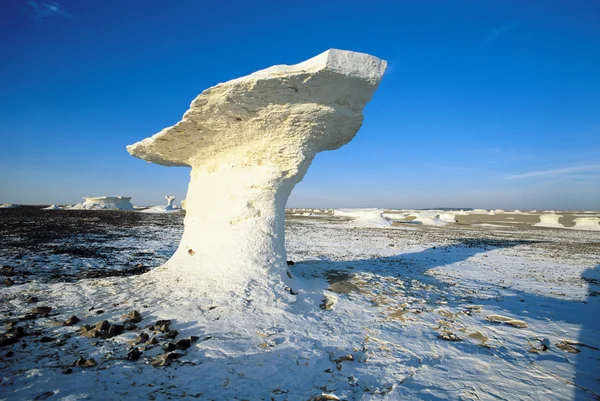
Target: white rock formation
x=364 y=217
x=168 y=208
x=52 y=207
x=7 y=206
x=550 y=220
x=170 y=200
x=249 y=141
x=105 y=203
x=587 y=223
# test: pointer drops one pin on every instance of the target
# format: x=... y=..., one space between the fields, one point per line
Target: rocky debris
x=133 y=317
x=32 y=299
x=565 y=346
x=85 y=363
x=67 y=371
x=7 y=271
x=142 y=338
x=542 y=345
x=71 y=321
x=46 y=339
x=479 y=336
x=129 y=326
x=152 y=341
x=12 y=334
x=103 y=329
x=291 y=263
x=165 y=359
x=41 y=310
x=171 y=334
x=449 y=336
x=326 y=397
x=9 y=281
x=162 y=326
x=328 y=302
x=44 y=396
x=507 y=320
x=134 y=354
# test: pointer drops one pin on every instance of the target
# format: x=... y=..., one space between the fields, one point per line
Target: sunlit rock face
x=170 y=200
x=249 y=141
x=105 y=202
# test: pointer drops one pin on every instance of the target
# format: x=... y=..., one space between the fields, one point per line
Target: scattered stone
x=99 y=312
x=290 y=263
x=67 y=371
x=103 y=325
x=152 y=341
x=44 y=396
x=133 y=316
x=171 y=347
x=142 y=338
x=565 y=346
x=479 y=336
x=507 y=320
x=448 y=336
x=184 y=343
x=326 y=397
x=85 y=363
x=328 y=302
x=130 y=326
x=7 y=271
x=46 y=339
x=41 y=310
x=134 y=354
x=171 y=334
x=165 y=359
x=71 y=321
x=9 y=281
x=31 y=299
x=115 y=330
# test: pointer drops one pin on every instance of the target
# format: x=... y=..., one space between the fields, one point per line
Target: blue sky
x=484 y=104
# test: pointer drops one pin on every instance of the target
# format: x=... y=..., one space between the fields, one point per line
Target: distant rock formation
x=170 y=200
x=52 y=207
x=587 y=223
x=249 y=141
x=550 y=220
x=105 y=203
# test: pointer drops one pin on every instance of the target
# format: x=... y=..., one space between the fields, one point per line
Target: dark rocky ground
x=66 y=245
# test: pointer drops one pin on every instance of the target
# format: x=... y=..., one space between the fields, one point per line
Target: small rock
x=71 y=321
x=103 y=325
x=9 y=281
x=85 y=363
x=99 y=312
x=41 y=310
x=328 y=302
x=44 y=396
x=152 y=341
x=194 y=338
x=46 y=339
x=162 y=325
x=128 y=326
x=184 y=343
x=115 y=330
x=9 y=354
x=290 y=263
x=142 y=337
x=564 y=346
x=133 y=316
x=67 y=371
x=134 y=354
x=172 y=334
x=447 y=336
x=171 y=347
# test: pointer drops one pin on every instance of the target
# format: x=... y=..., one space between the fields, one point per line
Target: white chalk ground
x=400 y=296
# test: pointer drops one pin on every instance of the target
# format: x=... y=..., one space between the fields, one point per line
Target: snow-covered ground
x=382 y=313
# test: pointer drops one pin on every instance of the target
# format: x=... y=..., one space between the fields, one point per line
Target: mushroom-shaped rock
x=170 y=200
x=249 y=141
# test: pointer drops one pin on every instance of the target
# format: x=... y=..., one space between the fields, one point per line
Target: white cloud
x=557 y=172
x=40 y=10
x=496 y=33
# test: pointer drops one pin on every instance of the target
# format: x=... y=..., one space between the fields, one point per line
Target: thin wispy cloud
x=497 y=33
x=40 y=10
x=557 y=172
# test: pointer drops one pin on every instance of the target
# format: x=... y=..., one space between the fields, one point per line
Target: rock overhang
x=272 y=114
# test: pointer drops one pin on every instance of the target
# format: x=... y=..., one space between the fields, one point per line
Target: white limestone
x=550 y=220
x=170 y=200
x=105 y=203
x=52 y=207
x=587 y=223
x=249 y=141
